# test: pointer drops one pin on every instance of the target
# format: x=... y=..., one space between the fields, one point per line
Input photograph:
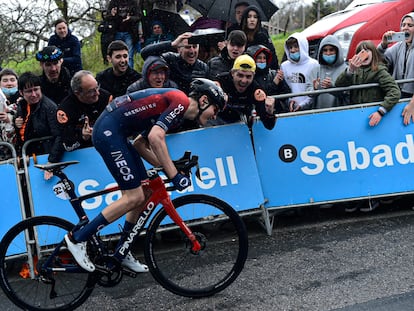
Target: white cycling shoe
x=133 y=264
x=78 y=251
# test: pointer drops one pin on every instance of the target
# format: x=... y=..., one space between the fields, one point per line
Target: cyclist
x=151 y=112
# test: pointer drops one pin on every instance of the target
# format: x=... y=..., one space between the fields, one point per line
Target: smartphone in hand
x=363 y=54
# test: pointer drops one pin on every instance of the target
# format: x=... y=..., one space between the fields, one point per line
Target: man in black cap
x=55 y=77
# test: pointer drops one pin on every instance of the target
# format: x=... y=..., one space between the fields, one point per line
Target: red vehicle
x=361 y=20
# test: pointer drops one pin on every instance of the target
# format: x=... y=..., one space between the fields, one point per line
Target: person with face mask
x=331 y=65
x=272 y=81
x=8 y=84
x=8 y=107
x=296 y=70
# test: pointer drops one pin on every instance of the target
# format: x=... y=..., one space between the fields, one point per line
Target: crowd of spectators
x=65 y=100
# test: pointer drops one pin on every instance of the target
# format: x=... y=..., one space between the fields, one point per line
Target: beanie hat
x=244 y=62
x=49 y=54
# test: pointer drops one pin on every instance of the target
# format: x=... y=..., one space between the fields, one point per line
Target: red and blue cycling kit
x=129 y=115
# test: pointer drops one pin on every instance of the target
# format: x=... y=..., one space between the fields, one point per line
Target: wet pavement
x=315 y=259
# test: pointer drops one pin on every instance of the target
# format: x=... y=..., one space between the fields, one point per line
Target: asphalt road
x=314 y=260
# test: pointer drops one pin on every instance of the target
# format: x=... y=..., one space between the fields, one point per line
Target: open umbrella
x=224 y=10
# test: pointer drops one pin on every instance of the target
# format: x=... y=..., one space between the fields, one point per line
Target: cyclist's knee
x=133 y=198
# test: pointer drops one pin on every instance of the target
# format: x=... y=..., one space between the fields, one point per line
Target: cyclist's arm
x=144 y=149
x=156 y=138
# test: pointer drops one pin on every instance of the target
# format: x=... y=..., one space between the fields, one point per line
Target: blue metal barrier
x=318 y=157
x=11 y=199
x=227 y=166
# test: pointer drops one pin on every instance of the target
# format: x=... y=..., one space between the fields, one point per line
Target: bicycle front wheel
x=23 y=251
x=222 y=235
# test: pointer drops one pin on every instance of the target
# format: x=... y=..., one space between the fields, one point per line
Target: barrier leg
x=266 y=220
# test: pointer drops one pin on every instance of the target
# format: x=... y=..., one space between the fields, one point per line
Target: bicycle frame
x=159 y=195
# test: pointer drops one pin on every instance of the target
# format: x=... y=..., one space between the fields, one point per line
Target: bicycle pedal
x=129 y=273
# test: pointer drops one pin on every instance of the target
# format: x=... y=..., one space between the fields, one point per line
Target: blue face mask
x=261 y=65
x=329 y=59
x=9 y=92
x=295 y=56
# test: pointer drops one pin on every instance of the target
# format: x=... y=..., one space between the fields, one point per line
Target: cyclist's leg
x=127 y=168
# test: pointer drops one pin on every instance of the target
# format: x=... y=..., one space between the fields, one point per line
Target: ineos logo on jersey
x=173 y=114
x=122 y=165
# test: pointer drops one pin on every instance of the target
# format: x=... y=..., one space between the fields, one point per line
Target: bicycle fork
x=171 y=211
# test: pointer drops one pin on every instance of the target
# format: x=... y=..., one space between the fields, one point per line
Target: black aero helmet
x=202 y=86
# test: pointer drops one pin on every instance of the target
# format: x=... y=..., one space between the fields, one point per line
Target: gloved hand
x=181 y=181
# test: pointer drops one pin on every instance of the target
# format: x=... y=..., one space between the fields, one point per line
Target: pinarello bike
x=195 y=246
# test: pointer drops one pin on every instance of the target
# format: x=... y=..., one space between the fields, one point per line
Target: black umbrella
x=172 y=22
x=224 y=10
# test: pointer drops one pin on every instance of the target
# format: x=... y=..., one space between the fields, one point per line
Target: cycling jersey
x=129 y=115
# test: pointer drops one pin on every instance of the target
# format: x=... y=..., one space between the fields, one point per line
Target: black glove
x=181 y=181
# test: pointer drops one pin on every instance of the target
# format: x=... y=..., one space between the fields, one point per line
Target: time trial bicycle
x=195 y=246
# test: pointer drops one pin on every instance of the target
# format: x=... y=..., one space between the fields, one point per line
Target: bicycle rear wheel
x=20 y=266
x=223 y=237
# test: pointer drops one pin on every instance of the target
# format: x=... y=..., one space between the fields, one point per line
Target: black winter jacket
x=41 y=122
x=117 y=85
x=182 y=72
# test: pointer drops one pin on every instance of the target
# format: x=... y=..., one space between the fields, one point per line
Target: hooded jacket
x=297 y=73
x=334 y=99
x=261 y=37
x=143 y=82
x=395 y=57
x=266 y=76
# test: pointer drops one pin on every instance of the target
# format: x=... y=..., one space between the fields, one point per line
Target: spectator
x=296 y=71
x=68 y=44
x=36 y=118
x=158 y=34
x=78 y=112
x=9 y=95
x=245 y=97
x=165 y=11
x=251 y=24
x=7 y=130
x=408 y=112
x=270 y=80
x=107 y=29
x=239 y=8
x=117 y=78
x=126 y=15
x=400 y=57
x=235 y=46
x=8 y=84
x=331 y=64
x=184 y=65
x=155 y=73
x=55 y=78
x=370 y=70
